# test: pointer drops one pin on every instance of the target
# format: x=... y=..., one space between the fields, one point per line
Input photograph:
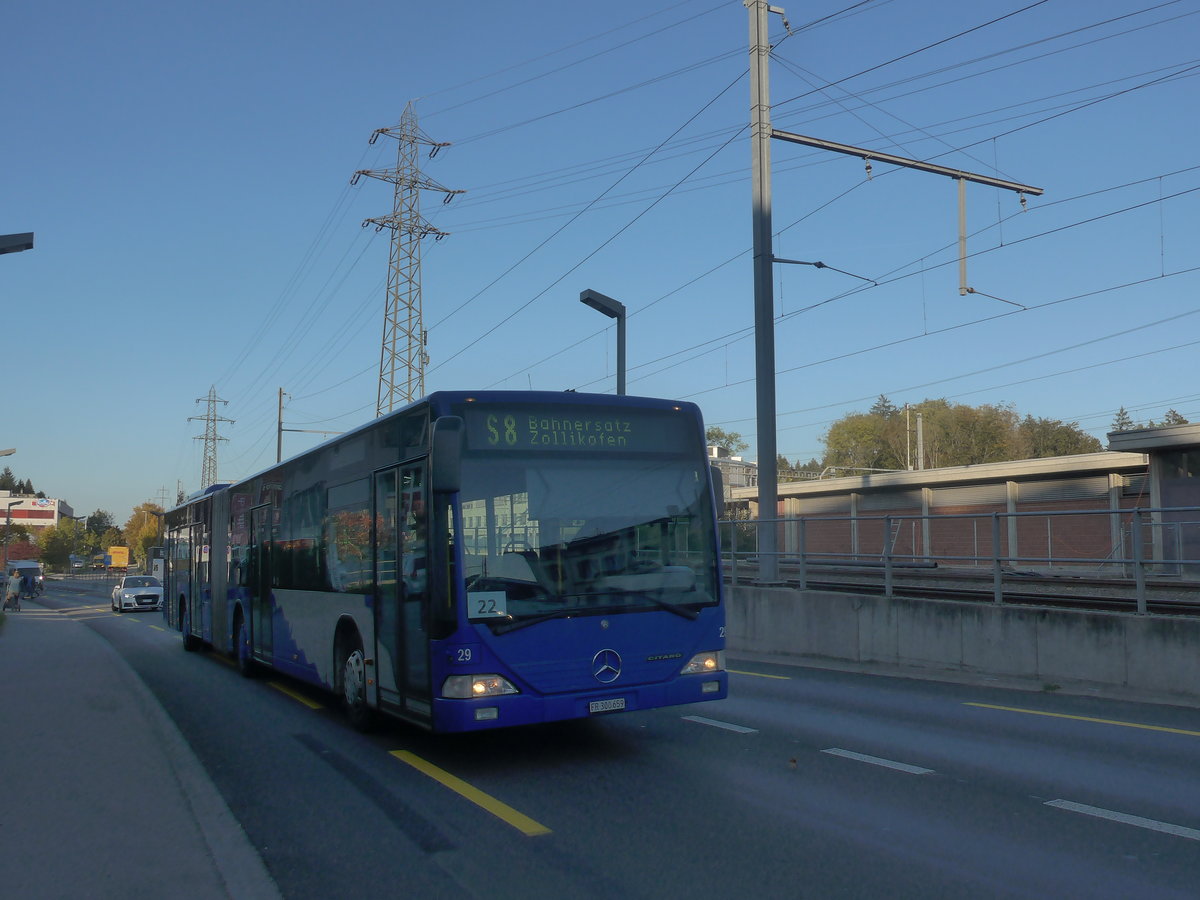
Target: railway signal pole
x=403 y=358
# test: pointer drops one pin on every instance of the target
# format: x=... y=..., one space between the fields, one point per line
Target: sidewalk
x=100 y=795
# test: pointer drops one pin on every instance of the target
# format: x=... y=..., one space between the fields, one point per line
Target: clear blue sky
x=186 y=170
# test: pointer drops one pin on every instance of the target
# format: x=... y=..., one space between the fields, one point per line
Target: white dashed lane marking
x=1125 y=819
x=877 y=761
x=728 y=726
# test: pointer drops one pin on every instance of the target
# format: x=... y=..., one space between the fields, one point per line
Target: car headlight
x=702 y=663
x=467 y=687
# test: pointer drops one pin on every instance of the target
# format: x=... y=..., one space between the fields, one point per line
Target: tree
x=14 y=531
x=112 y=537
x=952 y=435
x=1042 y=438
x=961 y=435
x=1123 y=421
x=7 y=481
x=883 y=407
x=859 y=441
x=730 y=441
x=142 y=530
x=1174 y=418
x=59 y=541
x=100 y=521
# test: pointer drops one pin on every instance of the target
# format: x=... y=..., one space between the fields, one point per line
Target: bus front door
x=401 y=581
x=259 y=587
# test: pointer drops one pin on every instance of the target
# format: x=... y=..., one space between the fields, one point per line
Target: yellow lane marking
x=502 y=811
x=1038 y=712
x=284 y=689
x=158 y=628
x=759 y=675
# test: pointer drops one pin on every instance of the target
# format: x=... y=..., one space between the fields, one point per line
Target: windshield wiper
x=506 y=627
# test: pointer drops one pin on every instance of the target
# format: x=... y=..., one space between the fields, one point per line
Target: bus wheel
x=191 y=643
x=354 y=683
x=241 y=646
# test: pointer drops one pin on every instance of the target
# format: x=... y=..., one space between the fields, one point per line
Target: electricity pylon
x=208 y=469
x=402 y=359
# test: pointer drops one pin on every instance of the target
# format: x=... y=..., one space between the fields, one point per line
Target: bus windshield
x=546 y=536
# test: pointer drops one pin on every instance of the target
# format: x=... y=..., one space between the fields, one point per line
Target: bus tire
x=241 y=646
x=352 y=681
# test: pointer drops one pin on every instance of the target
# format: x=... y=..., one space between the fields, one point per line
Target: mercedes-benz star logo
x=606 y=666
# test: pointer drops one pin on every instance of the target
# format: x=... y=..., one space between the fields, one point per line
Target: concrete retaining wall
x=1158 y=655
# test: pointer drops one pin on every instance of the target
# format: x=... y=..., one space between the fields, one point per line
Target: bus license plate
x=600 y=706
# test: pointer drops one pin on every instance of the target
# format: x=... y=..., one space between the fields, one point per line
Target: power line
x=907 y=389
x=463 y=305
x=912 y=53
x=563 y=49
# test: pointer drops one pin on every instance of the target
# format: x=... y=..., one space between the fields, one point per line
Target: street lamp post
x=70 y=562
x=614 y=309
x=7 y=530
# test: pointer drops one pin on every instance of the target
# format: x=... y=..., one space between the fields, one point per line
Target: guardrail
x=1132 y=544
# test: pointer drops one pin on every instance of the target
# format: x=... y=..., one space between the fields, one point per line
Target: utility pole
x=907 y=438
x=208 y=469
x=764 y=295
x=402 y=358
x=279 y=429
x=920 y=442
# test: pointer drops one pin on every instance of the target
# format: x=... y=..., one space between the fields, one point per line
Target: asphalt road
x=804 y=783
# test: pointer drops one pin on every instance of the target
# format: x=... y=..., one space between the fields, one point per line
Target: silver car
x=137 y=592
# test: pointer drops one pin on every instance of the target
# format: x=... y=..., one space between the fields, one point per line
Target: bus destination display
x=541 y=428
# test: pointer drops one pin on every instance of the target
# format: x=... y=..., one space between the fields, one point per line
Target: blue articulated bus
x=472 y=561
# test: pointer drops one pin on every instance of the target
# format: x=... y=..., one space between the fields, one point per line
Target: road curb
x=230 y=853
x=234 y=857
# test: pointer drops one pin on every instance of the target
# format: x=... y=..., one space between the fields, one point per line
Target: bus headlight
x=468 y=687
x=702 y=663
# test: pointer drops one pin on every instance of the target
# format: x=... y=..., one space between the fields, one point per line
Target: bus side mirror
x=445 y=455
x=718 y=486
